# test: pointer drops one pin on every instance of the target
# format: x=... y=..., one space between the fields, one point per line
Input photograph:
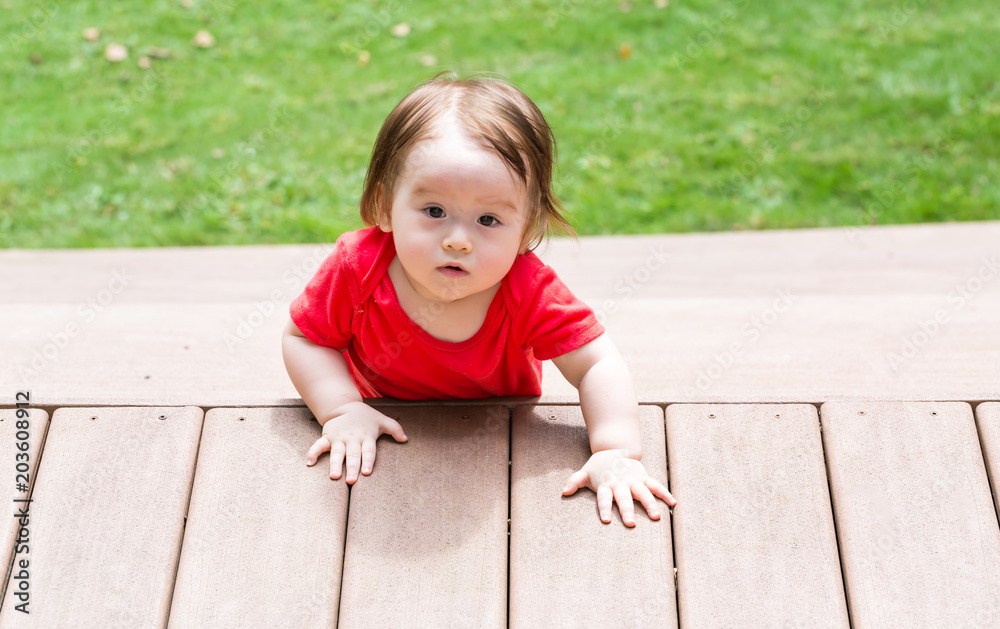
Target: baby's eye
x=430 y=212
x=489 y=218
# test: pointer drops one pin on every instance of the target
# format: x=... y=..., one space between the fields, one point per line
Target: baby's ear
x=384 y=214
x=384 y=223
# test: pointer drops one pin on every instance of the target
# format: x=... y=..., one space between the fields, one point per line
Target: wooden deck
x=820 y=482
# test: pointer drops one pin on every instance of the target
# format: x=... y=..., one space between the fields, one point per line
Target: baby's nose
x=457 y=239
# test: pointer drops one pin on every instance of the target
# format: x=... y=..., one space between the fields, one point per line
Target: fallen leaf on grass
x=115 y=53
x=204 y=39
x=625 y=51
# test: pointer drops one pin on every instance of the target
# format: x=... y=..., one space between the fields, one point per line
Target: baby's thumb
x=396 y=431
x=575 y=481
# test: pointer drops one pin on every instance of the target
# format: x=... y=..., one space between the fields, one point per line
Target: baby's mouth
x=452 y=270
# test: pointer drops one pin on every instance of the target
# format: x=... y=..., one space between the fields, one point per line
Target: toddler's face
x=456 y=204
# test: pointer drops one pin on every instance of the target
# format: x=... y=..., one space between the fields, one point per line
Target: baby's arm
x=607 y=399
x=350 y=427
x=319 y=374
x=611 y=413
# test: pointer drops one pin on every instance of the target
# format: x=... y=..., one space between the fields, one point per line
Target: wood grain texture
x=754 y=536
x=427 y=530
x=567 y=568
x=108 y=517
x=918 y=532
x=674 y=303
x=264 y=541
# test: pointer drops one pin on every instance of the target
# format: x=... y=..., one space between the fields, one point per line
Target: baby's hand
x=353 y=433
x=613 y=473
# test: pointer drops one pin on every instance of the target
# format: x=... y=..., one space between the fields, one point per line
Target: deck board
x=567 y=568
x=425 y=536
x=988 y=424
x=264 y=540
x=918 y=532
x=754 y=536
x=427 y=530
x=986 y=612
x=108 y=516
x=184 y=312
x=36 y=426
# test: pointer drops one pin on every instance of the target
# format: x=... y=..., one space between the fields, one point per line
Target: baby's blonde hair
x=493 y=113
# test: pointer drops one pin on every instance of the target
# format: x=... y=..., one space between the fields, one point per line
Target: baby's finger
x=336 y=459
x=353 y=461
x=575 y=481
x=320 y=446
x=623 y=494
x=367 y=456
x=393 y=428
x=642 y=494
x=604 y=496
x=660 y=490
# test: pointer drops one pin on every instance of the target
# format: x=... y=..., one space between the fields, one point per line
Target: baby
x=442 y=297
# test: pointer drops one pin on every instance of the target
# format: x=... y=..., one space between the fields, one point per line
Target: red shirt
x=351 y=305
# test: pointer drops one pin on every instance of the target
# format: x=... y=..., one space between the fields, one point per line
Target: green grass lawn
x=717 y=116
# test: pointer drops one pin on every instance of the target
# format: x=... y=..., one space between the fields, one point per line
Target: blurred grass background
x=670 y=116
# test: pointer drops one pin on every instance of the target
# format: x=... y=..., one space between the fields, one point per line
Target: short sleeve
x=551 y=320
x=324 y=310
